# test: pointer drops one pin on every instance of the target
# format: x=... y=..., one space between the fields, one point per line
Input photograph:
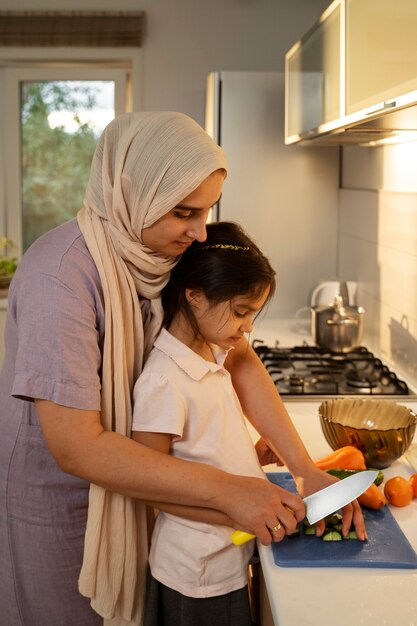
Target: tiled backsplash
x=378 y=246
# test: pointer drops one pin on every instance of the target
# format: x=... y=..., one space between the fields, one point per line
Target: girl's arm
x=265 y=409
x=83 y=448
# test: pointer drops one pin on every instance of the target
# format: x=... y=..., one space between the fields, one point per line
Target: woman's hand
x=266 y=456
x=352 y=513
x=257 y=506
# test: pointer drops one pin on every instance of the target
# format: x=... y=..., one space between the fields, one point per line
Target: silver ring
x=275 y=529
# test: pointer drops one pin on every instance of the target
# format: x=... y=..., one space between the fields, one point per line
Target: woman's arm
x=81 y=447
x=162 y=442
x=265 y=409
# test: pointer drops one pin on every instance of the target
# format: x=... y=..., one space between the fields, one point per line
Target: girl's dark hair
x=226 y=265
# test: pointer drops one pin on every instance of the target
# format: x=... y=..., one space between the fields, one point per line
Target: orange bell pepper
x=347 y=457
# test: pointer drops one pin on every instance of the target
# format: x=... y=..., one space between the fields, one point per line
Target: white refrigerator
x=286 y=197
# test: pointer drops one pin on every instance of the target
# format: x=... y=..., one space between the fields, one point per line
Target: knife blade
x=326 y=501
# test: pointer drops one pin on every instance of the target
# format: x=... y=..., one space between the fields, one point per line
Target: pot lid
x=339 y=309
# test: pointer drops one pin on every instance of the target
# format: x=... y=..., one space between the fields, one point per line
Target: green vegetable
x=351 y=535
x=309 y=529
x=333 y=520
x=332 y=532
x=332 y=535
x=342 y=473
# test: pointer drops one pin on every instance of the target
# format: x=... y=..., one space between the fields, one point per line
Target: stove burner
x=296 y=381
x=308 y=371
x=360 y=380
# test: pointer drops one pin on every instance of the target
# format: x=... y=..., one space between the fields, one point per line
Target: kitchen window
x=53 y=118
x=63 y=76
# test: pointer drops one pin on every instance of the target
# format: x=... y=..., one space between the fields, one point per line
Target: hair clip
x=223 y=246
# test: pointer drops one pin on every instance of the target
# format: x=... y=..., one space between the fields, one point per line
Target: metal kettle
x=338 y=327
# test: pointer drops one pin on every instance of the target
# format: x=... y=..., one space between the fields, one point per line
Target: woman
x=84 y=310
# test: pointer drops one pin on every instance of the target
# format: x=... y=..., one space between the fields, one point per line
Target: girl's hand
x=352 y=513
x=266 y=456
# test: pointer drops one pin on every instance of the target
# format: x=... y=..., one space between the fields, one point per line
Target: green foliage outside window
x=55 y=162
x=8 y=263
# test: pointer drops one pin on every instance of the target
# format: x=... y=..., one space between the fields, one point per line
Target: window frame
x=119 y=66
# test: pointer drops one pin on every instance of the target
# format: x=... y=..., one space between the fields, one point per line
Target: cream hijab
x=144 y=164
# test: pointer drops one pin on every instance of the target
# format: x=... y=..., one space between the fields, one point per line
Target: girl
x=185 y=405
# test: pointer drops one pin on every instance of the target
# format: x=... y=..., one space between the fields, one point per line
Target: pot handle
x=315 y=293
x=345 y=322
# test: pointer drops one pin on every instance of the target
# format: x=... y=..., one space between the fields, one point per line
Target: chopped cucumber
x=332 y=520
x=351 y=535
x=332 y=535
x=333 y=529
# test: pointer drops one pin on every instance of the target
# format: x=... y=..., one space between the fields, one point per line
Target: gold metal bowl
x=381 y=429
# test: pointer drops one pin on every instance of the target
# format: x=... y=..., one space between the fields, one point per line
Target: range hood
x=391 y=124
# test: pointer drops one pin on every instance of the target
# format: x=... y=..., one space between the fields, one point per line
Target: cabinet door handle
x=384 y=105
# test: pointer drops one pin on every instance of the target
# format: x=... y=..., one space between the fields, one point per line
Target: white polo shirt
x=181 y=393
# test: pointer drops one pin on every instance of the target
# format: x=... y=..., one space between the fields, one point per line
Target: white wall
x=286 y=197
x=186 y=39
x=378 y=245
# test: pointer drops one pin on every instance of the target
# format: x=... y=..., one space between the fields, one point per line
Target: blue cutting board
x=387 y=546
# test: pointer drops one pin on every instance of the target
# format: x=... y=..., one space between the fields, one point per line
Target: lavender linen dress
x=54 y=334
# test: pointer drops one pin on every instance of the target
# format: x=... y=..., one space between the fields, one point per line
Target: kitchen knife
x=326 y=501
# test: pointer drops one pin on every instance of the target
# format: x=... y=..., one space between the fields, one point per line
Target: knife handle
x=239 y=537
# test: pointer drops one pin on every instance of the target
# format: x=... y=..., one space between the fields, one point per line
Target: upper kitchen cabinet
x=353 y=77
x=312 y=89
x=381 y=51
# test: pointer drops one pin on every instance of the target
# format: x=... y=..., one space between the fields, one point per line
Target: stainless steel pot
x=339 y=327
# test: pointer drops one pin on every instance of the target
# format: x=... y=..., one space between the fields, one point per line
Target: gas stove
x=310 y=372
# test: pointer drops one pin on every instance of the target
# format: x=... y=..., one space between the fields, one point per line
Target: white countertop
x=342 y=596
x=336 y=596
x=287 y=332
